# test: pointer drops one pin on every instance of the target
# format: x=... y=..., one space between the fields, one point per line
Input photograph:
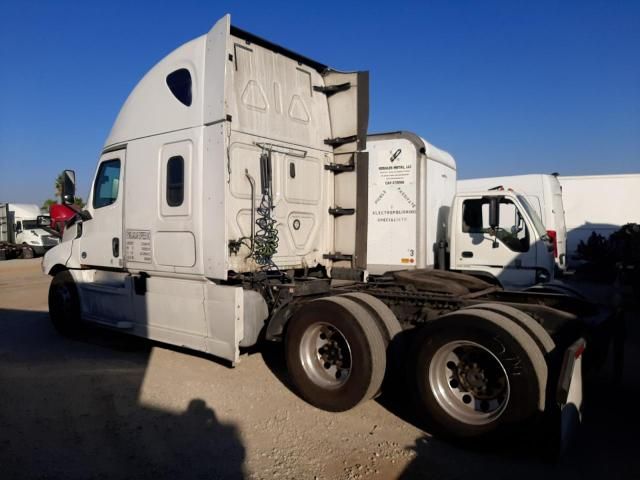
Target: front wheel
x=64 y=304
x=472 y=378
x=335 y=353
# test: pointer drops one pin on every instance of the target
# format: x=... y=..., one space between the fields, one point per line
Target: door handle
x=467 y=254
x=115 y=247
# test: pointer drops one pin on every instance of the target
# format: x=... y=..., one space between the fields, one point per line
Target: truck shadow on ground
x=70 y=409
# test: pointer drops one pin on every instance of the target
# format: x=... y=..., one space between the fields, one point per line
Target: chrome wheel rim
x=469 y=382
x=325 y=355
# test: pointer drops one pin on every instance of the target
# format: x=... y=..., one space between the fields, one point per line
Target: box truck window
x=30 y=224
x=512 y=231
x=179 y=82
x=175 y=181
x=105 y=190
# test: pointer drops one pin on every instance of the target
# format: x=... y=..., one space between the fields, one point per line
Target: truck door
x=509 y=254
x=101 y=241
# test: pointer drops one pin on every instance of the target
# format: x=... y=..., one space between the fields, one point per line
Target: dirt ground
x=110 y=406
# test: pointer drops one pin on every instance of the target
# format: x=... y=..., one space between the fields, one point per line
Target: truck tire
x=390 y=328
x=533 y=328
x=555 y=288
x=474 y=374
x=26 y=252
x=387 y=321
x=335 y=353
x=64 y=305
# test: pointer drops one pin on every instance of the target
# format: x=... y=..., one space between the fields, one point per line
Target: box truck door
x=101 y=241
x=508 y=254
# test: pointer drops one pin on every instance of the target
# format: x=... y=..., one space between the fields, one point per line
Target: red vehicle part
x=60 y=215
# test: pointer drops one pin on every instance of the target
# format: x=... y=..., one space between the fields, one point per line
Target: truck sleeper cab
x=231 y=192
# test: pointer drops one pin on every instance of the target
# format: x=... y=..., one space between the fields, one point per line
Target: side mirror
x=494 y=212
x=68 y=187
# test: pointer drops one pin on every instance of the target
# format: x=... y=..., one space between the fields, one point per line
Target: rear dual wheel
x=472 y=377
x=336 y=353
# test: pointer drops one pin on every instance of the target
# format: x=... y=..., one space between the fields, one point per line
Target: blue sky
x=507 y=87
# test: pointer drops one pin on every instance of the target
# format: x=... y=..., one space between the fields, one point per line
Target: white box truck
x=617 y=203
x=545 y=195
x=24 y=225
x=232 y=193
x=417 y=220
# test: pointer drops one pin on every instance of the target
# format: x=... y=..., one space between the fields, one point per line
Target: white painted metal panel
x=172 y=311
x=393 y=204
x=272 y=96
x=151 y=108
x=224 y=307
x=176 y=249
x=598 y=203
x=440 y=190
x=411 y=189
x=300 y=201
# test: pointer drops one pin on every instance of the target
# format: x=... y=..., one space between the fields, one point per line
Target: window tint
x=175 y=181
x=105 y=190
x=179 y=82
x=512 y=231
x=30 y=224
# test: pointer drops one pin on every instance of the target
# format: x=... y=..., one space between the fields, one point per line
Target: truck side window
x=175 y=181
x=105 y=189
x=179 y=82
x=512 y=231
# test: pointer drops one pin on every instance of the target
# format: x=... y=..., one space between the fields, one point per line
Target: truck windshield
x=29 y=224
x=537 y=223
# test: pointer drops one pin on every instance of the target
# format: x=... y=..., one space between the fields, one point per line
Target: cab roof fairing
x=151 y=108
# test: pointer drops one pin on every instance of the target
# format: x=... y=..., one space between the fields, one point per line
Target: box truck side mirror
x=494 y=218
x=494 y=212
x=68 y=187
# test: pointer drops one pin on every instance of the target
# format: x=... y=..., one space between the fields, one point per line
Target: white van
x=544 y=194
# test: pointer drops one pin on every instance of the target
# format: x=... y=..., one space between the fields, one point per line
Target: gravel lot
x=110 y=406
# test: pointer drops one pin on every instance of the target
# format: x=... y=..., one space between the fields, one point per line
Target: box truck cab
x=28 y=223
x=544 y=193
x=416 y=218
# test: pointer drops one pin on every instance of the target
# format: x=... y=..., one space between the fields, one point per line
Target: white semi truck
x=232 y=195
x=24 y=226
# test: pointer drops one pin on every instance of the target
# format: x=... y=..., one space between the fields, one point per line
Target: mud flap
x=569 y=393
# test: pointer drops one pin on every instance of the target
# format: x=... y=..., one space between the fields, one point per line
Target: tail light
x=553 y=236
